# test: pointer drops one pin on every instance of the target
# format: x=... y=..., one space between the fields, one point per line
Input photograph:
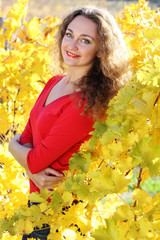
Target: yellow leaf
x=155 y=137
x=142 y=197
x=145 y=175
x=33 y=29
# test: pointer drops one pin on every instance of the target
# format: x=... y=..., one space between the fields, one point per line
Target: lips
x=69 y=54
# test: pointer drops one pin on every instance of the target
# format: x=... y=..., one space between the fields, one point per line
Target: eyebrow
x=84 y=35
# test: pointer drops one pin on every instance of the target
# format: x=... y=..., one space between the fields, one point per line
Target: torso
x=62 y=138
x=59 y=90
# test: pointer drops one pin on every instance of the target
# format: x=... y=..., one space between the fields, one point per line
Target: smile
x=69 y=54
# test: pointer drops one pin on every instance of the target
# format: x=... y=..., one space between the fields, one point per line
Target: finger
x=53 y=181
x=51 y=171
x=47 y=181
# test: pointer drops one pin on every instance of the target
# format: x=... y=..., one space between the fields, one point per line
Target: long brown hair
x=110 y=71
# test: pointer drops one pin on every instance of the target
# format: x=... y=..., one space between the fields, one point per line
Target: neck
x=75 y=73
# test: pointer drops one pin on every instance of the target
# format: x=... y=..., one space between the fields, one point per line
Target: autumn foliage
x=91 y=203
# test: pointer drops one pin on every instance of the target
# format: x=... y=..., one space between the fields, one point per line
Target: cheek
x=62 y=44
x=65 y=42
x=91 y=52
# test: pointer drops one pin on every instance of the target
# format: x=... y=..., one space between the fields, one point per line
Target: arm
x=26 y=138
x=21 y=144
x=43 y=179
x=19 y=151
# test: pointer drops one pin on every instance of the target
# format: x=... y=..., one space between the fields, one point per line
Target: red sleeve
x=26 y=136
x=70 y=128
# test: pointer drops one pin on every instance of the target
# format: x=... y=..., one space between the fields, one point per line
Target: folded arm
x=43 y=179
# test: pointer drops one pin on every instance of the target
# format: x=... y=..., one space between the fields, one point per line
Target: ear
x=98 y=54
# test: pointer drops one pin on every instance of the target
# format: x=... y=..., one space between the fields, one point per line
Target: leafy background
x=57 y=8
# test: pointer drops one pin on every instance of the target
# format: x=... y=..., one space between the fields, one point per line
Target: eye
x=68 y=34
x=85 y=40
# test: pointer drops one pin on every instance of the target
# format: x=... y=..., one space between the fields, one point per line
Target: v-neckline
x=59 y=98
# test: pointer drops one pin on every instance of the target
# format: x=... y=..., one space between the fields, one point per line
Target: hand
x=46 y=178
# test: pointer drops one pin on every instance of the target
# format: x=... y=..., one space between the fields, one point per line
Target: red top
x=56 y=131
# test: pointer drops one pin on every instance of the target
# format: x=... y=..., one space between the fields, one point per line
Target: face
x=80 y=43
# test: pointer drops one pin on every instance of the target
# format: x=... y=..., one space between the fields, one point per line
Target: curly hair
x=110 y=70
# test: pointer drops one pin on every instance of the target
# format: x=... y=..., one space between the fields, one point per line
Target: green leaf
x=100 y=128
x=113 y=231
x=80 y=161
x=36 y=197
x=56 y=201
x=145 y=106
x=40 y=197
x=140 y=106
x=112 y=133
x=100 y=234
x=101 y=181
x=78 y=186
x=147 y=155
x=124 y=96
x=68 y=184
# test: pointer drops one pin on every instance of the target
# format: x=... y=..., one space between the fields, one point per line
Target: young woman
x=92 y=47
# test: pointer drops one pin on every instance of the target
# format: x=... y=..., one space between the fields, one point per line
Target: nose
x=73 y=45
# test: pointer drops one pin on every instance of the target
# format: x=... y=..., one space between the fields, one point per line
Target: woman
x=92 y=47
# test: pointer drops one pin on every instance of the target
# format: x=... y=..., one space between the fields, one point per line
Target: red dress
x=56 y=131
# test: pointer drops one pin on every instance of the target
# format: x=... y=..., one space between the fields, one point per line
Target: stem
x=157 y=99
x=102 y=160
x=139 y=178
x=14 y=113
x=127 y=172
x=138 y=186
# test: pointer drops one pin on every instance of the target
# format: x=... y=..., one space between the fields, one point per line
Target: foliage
x=89 y=204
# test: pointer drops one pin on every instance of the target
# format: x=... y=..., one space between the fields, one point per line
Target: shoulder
x=54 y=80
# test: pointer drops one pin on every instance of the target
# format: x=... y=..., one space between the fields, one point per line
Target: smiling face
x=80 y=43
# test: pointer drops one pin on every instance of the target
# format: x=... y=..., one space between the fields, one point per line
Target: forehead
x=83 y=25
